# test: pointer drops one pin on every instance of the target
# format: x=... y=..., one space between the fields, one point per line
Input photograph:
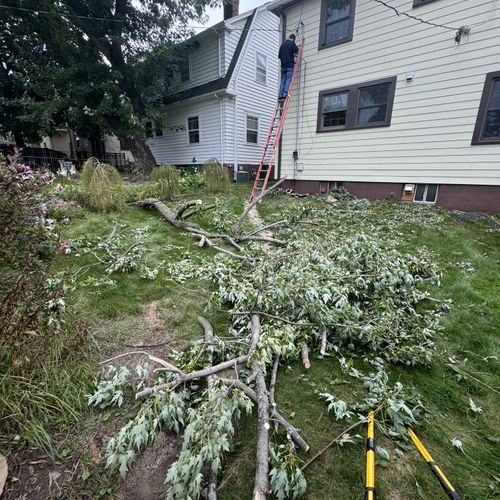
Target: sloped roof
x=218 y=83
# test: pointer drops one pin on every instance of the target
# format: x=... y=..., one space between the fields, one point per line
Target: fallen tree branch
x=337 y=438
x=206 y=241
x=272 y=384
x=323 y=344
x=184 y=207
x=237 y=228
x=305 y=356
x=186 y=377
x=209 y=337
x=279 y=318
x=261 y=487
x=200 y=210
x=291 y=430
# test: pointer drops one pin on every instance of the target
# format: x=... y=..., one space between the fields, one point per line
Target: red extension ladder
x=274 y=135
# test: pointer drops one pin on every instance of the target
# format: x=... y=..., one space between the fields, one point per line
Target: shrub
x=192 y=182
x=39 y=387
x=102 y=186
x=216 y=177
x=164 y=182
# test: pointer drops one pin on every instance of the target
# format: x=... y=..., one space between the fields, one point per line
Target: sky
x=215 y=13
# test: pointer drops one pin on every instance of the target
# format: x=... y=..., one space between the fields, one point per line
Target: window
x=252 y=129
x=194 y=129
x=261 y=68
x=337 y=22
x=158 y=128
x=184 y=71
x=357 y=106
x=426 y=193
x=149 y=129
x=157 y=131
x=487 y=130
x=416 y=3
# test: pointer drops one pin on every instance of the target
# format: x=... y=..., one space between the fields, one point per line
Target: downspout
x=219 y=72
x=221 y=128
x=235 y=76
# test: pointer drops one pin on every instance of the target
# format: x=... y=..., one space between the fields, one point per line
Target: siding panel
x=433 y=116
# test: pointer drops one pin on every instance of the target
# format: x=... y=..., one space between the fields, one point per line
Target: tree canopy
x=92 y=65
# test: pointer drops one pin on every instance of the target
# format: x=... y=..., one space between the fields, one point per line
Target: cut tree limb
x=209 y=337
x=294 y=433
x=239 y=224
x=189 y=204
x=323 y=344
x=196 y=211
x=186 y=377
x=261 y=487
x=305 y=356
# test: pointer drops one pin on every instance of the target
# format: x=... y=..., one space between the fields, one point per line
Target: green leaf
x=85 y=474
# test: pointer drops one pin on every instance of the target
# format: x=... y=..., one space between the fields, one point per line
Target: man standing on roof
x=286 y=55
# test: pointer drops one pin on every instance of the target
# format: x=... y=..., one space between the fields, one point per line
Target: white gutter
x=218 y=53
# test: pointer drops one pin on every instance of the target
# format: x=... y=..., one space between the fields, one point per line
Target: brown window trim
x=352 y=105
x=322 y=45
x=477 y=136
x=418 y=3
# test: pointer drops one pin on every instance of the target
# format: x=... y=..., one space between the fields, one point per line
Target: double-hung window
x=261 y=68
x=356 y=106
x=153 y=129
x=337 y=22
x=252 y=129
x=487 y=130
x=194 y=129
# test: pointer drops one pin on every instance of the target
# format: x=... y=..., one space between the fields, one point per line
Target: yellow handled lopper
x=370 y=459
x=436 y=470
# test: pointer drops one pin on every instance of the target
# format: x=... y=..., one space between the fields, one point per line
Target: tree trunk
x=18 y=137
x=139 y=149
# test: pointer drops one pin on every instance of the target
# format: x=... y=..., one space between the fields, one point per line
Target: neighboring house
x=226 y=95
x=389 y=106
x=78 y=148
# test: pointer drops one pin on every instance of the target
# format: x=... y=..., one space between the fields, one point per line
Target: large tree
x=92 y=63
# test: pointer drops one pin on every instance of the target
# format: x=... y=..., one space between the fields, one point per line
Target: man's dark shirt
x=287 y=50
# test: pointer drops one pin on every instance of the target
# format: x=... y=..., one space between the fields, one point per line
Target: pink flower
x=65 y=247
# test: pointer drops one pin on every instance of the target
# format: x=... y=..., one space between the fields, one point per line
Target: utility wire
x=430 y=23
x=91 y=18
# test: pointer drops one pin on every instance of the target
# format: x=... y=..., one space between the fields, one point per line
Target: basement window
x=337 y=22
x=356 y=106
x=426 y=193
x=194 y=129
x=252 y=129
x=487 y=130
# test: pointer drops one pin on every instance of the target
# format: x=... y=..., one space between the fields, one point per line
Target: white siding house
x=222 y=109
x=361 y=59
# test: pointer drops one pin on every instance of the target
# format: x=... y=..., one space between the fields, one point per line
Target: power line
x=92 y=18
x=430 y=23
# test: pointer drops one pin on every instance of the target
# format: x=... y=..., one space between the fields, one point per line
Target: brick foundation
x=450 y=196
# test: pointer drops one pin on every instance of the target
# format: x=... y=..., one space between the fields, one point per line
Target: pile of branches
x=312 y=294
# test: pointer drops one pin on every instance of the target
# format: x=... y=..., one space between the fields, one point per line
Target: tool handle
x=443 y=481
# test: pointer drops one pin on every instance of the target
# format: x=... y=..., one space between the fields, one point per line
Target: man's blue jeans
x=286 y=78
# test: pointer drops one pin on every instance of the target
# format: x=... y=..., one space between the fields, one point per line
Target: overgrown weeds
x=164 y=182
x=216 y=177
x=102 y=185
x=39 y=347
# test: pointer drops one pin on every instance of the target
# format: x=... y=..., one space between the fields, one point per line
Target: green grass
x=469 y=331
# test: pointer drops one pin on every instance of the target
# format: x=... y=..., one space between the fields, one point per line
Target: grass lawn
x=465 y=365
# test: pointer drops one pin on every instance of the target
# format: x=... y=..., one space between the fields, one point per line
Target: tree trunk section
x=141 y=152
